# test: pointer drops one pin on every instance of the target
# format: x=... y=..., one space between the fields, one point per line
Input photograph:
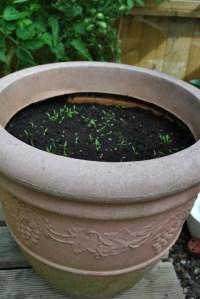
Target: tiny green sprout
x=49 y=148
x=97 y=144
x=134 y=150
x=108 y=116
x=32 y=124
x=26 y=133
x=165 y=138
x=54 y=116
x=45 y=131
x=122 y=142
x=102 y=128
x=109 y=133
x=91 y=137
x=69 y=112
x=76 y=139
x=62 y=113
x=65 y=149
x=92 y=123
x=161 y=153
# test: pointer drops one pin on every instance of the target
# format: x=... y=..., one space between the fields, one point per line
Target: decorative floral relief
x=169 y=228
x=31 y=226
x=101 y=244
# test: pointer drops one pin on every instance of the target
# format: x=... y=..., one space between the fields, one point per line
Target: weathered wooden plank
x=153 y=42
x=178 y=47
x=193 y=66
x=10 y=255
x=2 y=218
x=131 y=35
x=160 y=283
x=176 y=8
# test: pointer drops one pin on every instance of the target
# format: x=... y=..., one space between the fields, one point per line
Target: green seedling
x=76 y=139
x=32 y=124
x=109 y=133
x=92 y=123
x=97 y=144
x=49 y=148
x=108 y=116
x=26 y=133
x=91 y=137
x=32 y=142
x=134 y=150
x=45 y=131
x=161 y=153
x=122 y=142
x=65 y=149
x=69 y=112
x=62 y=113
x=165 y=139
x=55 y=116
x=102 y=128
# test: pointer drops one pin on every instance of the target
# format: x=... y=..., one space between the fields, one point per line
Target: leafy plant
x=39 y=31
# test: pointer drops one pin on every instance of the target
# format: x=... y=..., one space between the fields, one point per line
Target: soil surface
x=98 y=132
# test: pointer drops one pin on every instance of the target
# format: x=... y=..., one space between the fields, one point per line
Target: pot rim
x=93 y=181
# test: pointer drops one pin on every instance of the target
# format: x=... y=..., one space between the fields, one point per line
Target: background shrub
x=40 y=31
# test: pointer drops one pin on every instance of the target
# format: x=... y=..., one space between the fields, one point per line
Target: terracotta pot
x=93 y=228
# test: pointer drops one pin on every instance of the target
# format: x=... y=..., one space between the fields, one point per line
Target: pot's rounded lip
x=90 y=181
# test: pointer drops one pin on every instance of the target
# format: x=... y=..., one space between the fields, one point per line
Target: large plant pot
x=93 y=228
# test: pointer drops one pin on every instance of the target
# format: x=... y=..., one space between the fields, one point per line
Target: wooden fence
x=164 y=37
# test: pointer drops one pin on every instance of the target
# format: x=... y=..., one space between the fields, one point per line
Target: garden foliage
x=40 y=31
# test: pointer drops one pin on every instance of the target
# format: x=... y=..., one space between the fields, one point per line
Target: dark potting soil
x=98 y=132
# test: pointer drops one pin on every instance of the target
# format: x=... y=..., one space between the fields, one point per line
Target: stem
x=9 y=37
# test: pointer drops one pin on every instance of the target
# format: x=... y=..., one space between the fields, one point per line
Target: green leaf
x=35 y=7
x=196 y=83
x=26 y=22
x=59 y=51
x=53 y=22
x=25 y=32
x=2 y=40
x=20 y=1
x=70 y=10
x=8 y=27
x=130 y=4
x=3 y=57
x=24 y=56
x=12 y=14
x=79 y=28
x=33 y=44
x=81 y=48
x=47 y=39
x=140 y=2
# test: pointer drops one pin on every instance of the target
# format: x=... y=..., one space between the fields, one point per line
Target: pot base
x=86 y=287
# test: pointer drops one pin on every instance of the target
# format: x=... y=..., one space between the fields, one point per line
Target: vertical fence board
x=131 y=37
x=178 y=47
x=193 y=66
x=167 y=44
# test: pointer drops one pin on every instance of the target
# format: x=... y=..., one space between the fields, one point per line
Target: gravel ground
x=187 y=266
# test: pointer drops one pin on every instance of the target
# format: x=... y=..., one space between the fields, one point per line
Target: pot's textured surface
x=92 y=228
